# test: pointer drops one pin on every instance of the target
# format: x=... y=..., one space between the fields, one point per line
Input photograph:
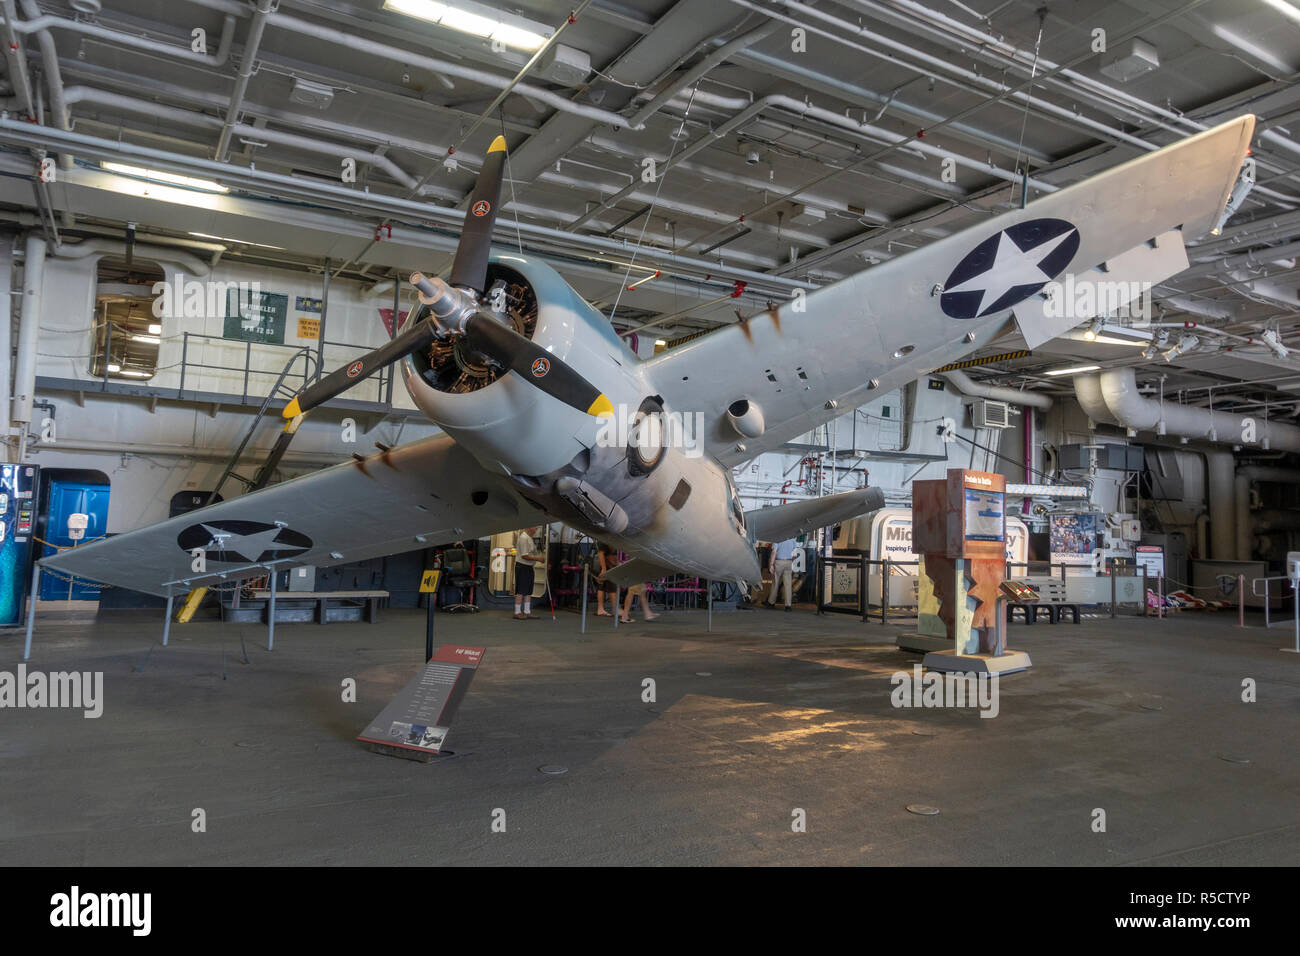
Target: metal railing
x=883 y=610
x=380 y=383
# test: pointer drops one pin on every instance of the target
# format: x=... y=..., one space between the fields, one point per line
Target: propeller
x=452 y=309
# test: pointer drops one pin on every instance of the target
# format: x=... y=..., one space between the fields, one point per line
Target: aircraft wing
x=414 y=496
x=820 y=354
x=786 y=521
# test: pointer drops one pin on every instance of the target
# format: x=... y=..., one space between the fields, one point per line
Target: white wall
x=67 y=329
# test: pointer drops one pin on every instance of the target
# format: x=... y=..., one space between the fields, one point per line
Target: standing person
x=781 y=567
x=605 y=561
x=526 y=560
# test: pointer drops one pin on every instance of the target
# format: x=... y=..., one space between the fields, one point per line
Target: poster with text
x=1074 y=540
x=255 y=316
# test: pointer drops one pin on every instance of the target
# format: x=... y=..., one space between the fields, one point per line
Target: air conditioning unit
x=989 y=414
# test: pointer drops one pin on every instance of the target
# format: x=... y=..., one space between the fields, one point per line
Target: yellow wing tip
x=601 y=407
x=292 y=410
x=498 y=145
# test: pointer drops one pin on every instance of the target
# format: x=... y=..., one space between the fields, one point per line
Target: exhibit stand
x=959 y=536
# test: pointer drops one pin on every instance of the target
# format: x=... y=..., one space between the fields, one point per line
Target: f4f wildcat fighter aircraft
x=519 y=371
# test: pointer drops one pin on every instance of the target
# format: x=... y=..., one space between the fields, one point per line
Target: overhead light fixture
x=1090 y=335
x=114 y=368
x=1113 y=340
x=1073 y=370
x=238 y=242
x=475 y=19
x=661 y=342
x=171 y=179
x=1273 y=340
x=1185 y=344
x=146 y=339
x=1284 y=8
x=133 y=373
x=155 y=329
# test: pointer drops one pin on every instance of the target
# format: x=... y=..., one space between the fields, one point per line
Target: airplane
x=522 y=375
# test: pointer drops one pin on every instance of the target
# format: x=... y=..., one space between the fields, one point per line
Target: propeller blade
x=510 y=349
x=469 y=270
x=420 y=335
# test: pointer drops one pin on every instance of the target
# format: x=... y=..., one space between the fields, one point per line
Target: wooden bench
x=1051 y=598
x=290 y=605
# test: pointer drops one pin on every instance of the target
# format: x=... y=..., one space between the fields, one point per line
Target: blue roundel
x=1008 y=267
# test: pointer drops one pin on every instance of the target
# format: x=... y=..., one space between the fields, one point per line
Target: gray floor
x=768 y=713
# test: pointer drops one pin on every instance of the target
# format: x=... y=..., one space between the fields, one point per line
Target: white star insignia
x=247 y=546
x=1012 y=268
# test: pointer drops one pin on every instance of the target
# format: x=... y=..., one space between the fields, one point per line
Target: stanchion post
x=864 y=605
x=1241 y=600
x=585 y=570
x=884 y=592
x=270 y=612
x=428 y=621
x=167 y=621
x=31 y=611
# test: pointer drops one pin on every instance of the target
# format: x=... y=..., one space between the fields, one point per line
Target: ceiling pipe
x=16 y=60
x=44 y=23
x=98 y=248
x=964 y=384
x=1113 y=397
x=247 y=60
x=357 y=202
x=692 y=74
x=967 y=80
x=750 y=110
x=408 y=58
x=910 y=15
x=53 y=77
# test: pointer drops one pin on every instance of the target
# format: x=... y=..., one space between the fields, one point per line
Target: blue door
x=69 y=498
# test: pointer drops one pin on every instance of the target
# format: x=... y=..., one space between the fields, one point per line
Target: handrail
x=300 y=352
x=379 y=379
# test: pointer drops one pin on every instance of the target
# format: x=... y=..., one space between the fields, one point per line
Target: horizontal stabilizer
x=785 y=521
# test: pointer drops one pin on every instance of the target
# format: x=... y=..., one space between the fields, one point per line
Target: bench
x=324 y=606
x=1051 y=598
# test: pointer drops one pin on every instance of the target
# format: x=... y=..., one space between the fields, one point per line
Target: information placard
x=419 y=717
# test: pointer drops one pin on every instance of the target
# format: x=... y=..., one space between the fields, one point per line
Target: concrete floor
x=769 y=712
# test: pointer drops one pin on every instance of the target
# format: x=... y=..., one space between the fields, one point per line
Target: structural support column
x=28 y=336
x=1220 y=482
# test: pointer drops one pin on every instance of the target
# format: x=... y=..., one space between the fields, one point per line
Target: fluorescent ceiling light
x=1284 y=8
x=661 y=341
x=114 y=368
x=1112 y=340
x=153 y=175
x=155 y=329
x=1074 y=370
x=146 y=339
x=134 y=374
x=475 y=19
x=238 y=242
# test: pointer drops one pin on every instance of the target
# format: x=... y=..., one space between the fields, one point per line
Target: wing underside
x=417 y=495
x=816 y=356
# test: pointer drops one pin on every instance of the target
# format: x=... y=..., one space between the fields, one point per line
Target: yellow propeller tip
x=498 y=145
x=291 y=410
x=601 y=407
